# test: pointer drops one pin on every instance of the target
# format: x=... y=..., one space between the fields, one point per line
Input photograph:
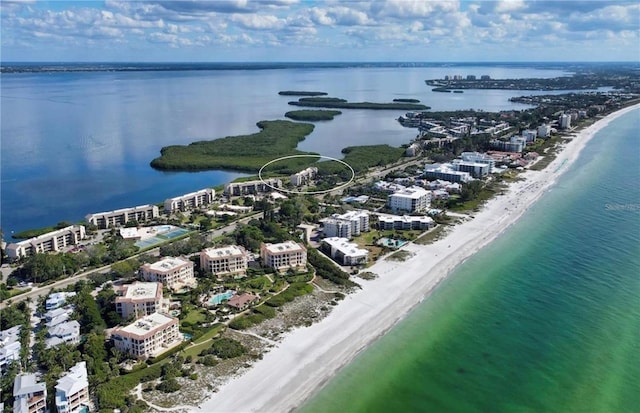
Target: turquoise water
x=545 y=319
x=218 y=298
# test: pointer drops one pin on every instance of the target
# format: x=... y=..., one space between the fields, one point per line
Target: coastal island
x=338 y=103
x=301 y=93
x=312 y=115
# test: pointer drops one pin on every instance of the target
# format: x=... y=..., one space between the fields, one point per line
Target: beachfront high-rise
x=412 y=199
x=231 y=260
x=149 y=336
x=284 y=256
x=173 y=273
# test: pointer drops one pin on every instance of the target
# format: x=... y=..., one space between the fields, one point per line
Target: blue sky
x=331 y=30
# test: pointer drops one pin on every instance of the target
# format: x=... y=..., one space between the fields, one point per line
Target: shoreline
x=307 y=358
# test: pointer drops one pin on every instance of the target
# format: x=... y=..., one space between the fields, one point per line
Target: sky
x=330 y=30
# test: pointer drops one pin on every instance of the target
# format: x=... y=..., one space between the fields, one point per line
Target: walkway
x=266 y=340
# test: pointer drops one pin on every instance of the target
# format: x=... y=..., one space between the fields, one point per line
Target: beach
x=308 y=357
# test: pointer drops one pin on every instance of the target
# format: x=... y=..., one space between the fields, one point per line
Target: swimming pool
x=392 y=243
x=218 y=298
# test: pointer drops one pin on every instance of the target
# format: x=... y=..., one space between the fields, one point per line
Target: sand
x=308 y=357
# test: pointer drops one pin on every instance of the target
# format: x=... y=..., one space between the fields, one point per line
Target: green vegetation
x=360 y=158
x=242 y=153
x=431 y=236
x=288 y=295
x=325 y=268
x=301 y=93
x=400 y=256
x=312 y=115
x=31 y=233
x=337 y=103
x=225 y=348
x=407 y=100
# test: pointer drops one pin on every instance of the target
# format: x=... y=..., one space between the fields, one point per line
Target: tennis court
x=162 y=233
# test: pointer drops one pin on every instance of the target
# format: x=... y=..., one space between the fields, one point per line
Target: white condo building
x=51 y=241
x=544 y=131
x=346 y=225
x=478 y=157
x=65 y=332
x=140 y=299
x=149 y=336
x=224 y=260
x=401 y=222
x=303 y=177
x=412 y=199
x=72 y=390
x=173 y=273
x=104 y=220
x=284 y=255
x=189 y=201
x=57 y=300
x=29 y=396
x=446 y=173
x=565 y=121
x=476 y=169
x=344 y=252
x=251 y=187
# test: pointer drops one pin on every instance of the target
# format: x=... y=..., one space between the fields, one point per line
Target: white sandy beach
x=308 y=357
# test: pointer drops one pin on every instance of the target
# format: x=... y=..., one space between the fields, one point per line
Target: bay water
x=544 y=319
x=75 y=143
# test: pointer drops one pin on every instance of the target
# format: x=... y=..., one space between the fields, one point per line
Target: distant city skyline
x=299 y=30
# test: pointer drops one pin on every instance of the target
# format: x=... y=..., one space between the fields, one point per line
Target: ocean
x=79 y=142
x=544 y=319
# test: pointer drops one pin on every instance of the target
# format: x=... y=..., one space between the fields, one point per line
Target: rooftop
x=229 y=251
x=167 y=264
x=140 y=290
x=347 y=248
x=75 y=380
x=413 y=192
x=287 y=246
x=146 y=324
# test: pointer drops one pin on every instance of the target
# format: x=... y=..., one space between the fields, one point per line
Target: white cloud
x=258 y=21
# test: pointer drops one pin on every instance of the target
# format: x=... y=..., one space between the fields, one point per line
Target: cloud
x=258 y=21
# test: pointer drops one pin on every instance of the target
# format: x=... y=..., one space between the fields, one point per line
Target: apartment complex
x=402 y=222
x=344 y=252
x=29 y=396
x=564 y=121
x=251 y=187
x=544 y=131
x=65 y=332
x=51 y=241
x=478 y=157
x=304 y=177
x=446 y=173
x=189 y=201
x=476 y=169
x=173 y=273
x=57 y=300
x=148 y=336
x=224 y=260
x=142 y=213
x=412 y=199
x=284 y=255
x=72 y=390
x=346 y=225
x=140 y=299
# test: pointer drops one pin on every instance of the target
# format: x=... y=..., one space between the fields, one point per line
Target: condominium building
x=476 y=169
x=149 y=336
x=251 y=187
x=544 y=131
x=412 y=199
x=72 y=390
x=445 y=172
x=173 y=273
x=29 y=396
x=51 y=241
x=284 y=255
x=140 y=299
x=479 y=158
x=346 y=225
x=344 y=252
x=224 y=260
x=507 y=146
x=120 y=217
x=404 y=222
x=303 y=177
x=565 y=121
x=530 y=135
x=9 y=347
x=189 y=201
